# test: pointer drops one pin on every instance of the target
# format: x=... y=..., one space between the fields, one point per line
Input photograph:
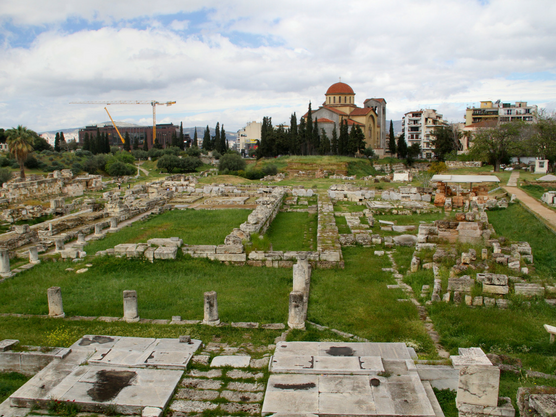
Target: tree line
x=306 y=138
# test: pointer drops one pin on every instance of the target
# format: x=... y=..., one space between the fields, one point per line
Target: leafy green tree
x=231 y=162
x=39 y=144
x=495 y=145
x=543 y=141
x=168 y=162
x=369 y=152
x=392 y=139
x=19 y=140
x=194 y=151
x=412 y=153
x=444 y=142
x=189 y=164
x=156 y=144
x=119 y=169
x=402 y=147
x=136 y=143
x=127 y=142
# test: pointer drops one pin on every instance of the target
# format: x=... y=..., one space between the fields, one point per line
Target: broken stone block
x=478 y=301
x=489 y=302
x=495 y=289
x=529 y=290
x=463 y=284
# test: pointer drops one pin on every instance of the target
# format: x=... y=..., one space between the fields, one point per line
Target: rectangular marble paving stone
x=245 y=386
x=187 y=406
x=345 y=403
x=201 y=383
x=242 y=396
x=238 y=374
x=233 y=361
x=254 y=409
x=213 y=373
x=292 y=363
x=196 y=394
x=342 y=383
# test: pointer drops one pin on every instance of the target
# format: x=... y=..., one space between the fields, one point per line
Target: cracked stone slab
x=242 y=396
x=245 y=386
x=201 y=383
x=196 y=394
x=213 y=373
x=232 y=361
x=237 y=374
x=187 y=406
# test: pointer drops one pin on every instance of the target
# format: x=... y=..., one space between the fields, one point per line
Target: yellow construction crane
x=153 y=103
x=115 y=127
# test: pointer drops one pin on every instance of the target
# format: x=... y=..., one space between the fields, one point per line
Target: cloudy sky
x=237 y=61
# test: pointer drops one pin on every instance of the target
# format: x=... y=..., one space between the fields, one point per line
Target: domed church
x=340 y=105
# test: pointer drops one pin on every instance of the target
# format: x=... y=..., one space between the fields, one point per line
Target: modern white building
x=248 y=136
x=501 y=112
x=418 y=127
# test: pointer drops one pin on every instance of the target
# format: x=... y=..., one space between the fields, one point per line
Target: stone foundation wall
x=463 y=164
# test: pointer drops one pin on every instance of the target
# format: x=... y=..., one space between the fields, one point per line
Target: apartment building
x=418 y=127
x=500 y=113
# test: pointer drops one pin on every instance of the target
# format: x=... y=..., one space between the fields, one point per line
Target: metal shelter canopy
x=465 y=178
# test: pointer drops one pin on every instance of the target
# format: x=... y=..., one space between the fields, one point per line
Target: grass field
x=295 y=231
x=517 y=224
x=195 y=227
x=164 y=289
x=9 y=383
x=356 y=300
x=536 y=190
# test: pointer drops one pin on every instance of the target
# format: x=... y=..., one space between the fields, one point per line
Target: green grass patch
x=447 y=400
x=356 y=300
x=195 y=227
x=9 y=383
x=361 y=168
x=517 y=331
x=536 y=190
x=348 y=207
x=417 y=279
x=62 y=333
x=342 y=225
x=402 y=257
x=517 y=224
x=164 y=288
x=293 y=231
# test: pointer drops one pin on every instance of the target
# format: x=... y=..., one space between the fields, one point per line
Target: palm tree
x=20 y=142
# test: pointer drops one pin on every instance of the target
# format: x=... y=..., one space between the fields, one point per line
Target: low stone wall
x=463 y=164
x=29 y=363
x=474 y=230
x=267 y=208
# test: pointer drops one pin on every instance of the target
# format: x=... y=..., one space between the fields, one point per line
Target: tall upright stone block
x=59 y=244
x=296 y=316
x=34 y=255
x=81 y=239
x=98 y=229
x=5 y=263
x=55 y=305
x=113 y=223
x=211 y=309
x=131 y=314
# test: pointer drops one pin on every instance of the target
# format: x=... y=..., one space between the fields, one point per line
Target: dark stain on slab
x=340 y=351
x=296 y=387
x=96 y=339
x=375 y=382
x=109 y=384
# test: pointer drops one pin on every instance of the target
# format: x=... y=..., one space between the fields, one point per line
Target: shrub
x=5 y=175
x=172 y=150
x=100 y=161
x=190 y=164
x=254 y=174
x=232 y=162
x=194 y=151
x=76 y=168
x=138 y=154
x=270 y=169
x=81 y=153
x=4 y=162
x=90 y=166
x=369 y=152
x=31 y=162
x=155 y=153
x=437 y=168
x=125 y=157
x=216 y=155
x=119 y=169
x=168 y=162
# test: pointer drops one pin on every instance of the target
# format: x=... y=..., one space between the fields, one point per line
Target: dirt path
x=549 y=216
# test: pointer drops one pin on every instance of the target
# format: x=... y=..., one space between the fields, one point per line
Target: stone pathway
x=221 y=388
x=433 y=334
x=536 y=207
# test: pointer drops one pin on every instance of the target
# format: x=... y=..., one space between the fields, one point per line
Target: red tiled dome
x=339 y=88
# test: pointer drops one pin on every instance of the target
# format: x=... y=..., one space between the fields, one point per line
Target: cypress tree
x=402 y=147
x=309 y=132
x=106 y=143
x=316 y=138
x=343 y=139
x=216 y=139
x=392 y=141
x=181 y=145
x=352 y=141
x=86 y=142
x=301 y=136
x=135 y=143
x=324 y=143
x=334 y=141
x=145 y=144
x=157 y=144
x=174 y=140
x=294 y=136
x=223 y=141
x=63 y=143
x=206 y=139
x=195 y=141
x=57 y=142
x=127 y=142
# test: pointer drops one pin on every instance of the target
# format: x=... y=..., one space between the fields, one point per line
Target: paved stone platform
x=125 y=374
x=347 y=379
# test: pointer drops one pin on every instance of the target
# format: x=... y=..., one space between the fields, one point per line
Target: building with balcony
x=500 y=113
x=418 y=127
x=249 y=136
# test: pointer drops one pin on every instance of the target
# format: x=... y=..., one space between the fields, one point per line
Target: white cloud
x=439 y=53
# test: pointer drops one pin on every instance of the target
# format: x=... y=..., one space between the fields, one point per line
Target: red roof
x=324 y=120
x=335 y=110
x=361 y=111
x=353 y=122
x=339 y=88
x=375 y=99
